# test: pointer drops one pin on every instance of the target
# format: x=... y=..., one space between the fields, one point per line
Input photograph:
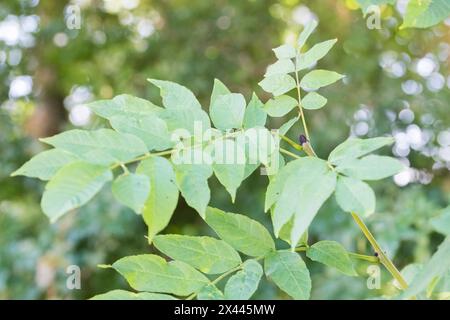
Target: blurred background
x=397 y=83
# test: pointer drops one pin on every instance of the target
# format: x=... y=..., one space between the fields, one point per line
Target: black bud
x=302 y=139
x=376 y=254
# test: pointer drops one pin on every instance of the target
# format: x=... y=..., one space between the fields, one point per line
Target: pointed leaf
x=280 y=105
x=149 y=128
x=103 y=146
x=72 y=186
x=353 y=148
x=277 y=84
x=244 y=283
x=132 y=190
x=288 y=125
x=284 y=51
x=319 y=78
x=307 y=30
x=254 y=115
x=148 y=272
x=313 y=101
x=163 y=198
x=314 y=54
x=45 y=164
x=282 y=66
x=441 y=223
x=353 y=195
x=371 y=167
x=206 y=254
x=332 y=254
x=176 y=96
x=227 y=111
x=289 y=273
x=219 y=89
x=242 y=233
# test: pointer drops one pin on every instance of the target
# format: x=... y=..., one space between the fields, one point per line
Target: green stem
x=293 y=155
x=364 y=257
x=384 y=259
x=291 y=142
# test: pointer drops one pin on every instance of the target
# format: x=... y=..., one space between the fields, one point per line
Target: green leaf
x=299 y=190
x=282 y=66
x=72 y=186
x=371 y=167
x=45 y=164
x=306 y=32
x=319 y=78
x=289 y=273
x=242 y=233
x=219 y=89
x=176 y=96
x=227 y=111
x=259 y=144
x=287 y=126
x=103 y=146
x=280 y=106
x=132 y=190
x=332 y=254
x=128 y=295
x=278 y=84
x=210 y=292
x=425 y=13
x=441 y=223
x=313 y=101
x=243 y=284
x=192 y=120
x=206 y=254
x=353 y=195
x=314 y=54
x=437 y=266
x=284 y=51
x=124 y=105
x=192 y=181
x=285 y=234
x=254 y=115
x=148 y=272
x=229 y=164
x=353 y=148
x=163 y=198
x=149 y=128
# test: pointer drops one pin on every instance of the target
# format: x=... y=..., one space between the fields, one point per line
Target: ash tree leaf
x=287 y=126
x=45 y=164
x=319 y=78
x=73 y=186
x=280 y=106
x=219 y=89
x=103 y=146
x=163 y=198
x=306 y=32
x=227 y=111
x=243 y=284
x=282 y=66
x=437 y=266
x=124 y=105
x=148 y=272
x=353 y=195
x=192 y=181
x=176 y=96
x=188 y=119
x=353 y=148
x=332 y=254
x=317 y=52
x=242 y=233
x=278 y=84
x=150 y=129
x=441 y=223
x=229 y=164
x=313 y=101
x=132 y=190
x=206 y=254
x=371 y=167
x=425 y=13
x=285 y=234
x=284 y=51
x=128 y=295
x=298 y=191
x=210 y=292
x=254 y=115
x=289 y=273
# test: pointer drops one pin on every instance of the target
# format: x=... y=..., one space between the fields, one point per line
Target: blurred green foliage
x=397 y=83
